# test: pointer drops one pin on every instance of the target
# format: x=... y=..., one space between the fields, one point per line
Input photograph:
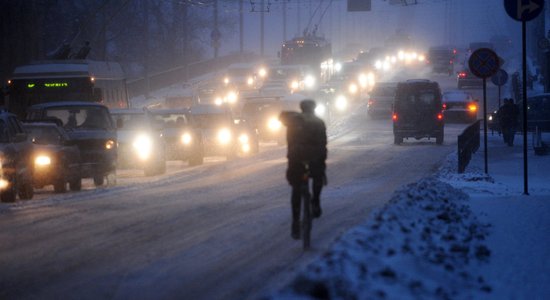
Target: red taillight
x=394 y=117
x=462 y=74
x=451 y=62
x=440 y=116
x=371 y=102
x=444 y=105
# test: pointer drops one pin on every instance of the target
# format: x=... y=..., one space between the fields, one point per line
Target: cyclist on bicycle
x=306 y=152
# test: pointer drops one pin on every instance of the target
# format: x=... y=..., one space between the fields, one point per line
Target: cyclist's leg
x=295 y=203
x=317 y=172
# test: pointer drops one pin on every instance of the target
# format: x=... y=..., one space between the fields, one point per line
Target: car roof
x=127 y=111
x=67 y=103
x=207 y=109
x=165 y=111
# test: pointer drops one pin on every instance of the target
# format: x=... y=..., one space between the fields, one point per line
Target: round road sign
x=521 y=10
x=500 y=78
x=484 y=62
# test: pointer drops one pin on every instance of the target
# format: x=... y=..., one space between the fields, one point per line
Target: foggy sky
x=431 y=22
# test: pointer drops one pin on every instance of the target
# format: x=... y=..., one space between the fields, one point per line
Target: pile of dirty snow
x=425 y=243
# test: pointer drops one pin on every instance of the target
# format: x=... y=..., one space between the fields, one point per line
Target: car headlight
x=109 y=144
x=243 y=138
x=42 y=160
x=4 y=184
x=231 y=97
x=262 y=72
x=341 y=103
x=353 y=88
x=274 y=124
x=250 y=81
x=472 y=108
x=226 y=80
x=309 y=81
x=218 y=101
x=224 y=136
x=186 y=138
x=245 y=147
x=294 y=85
x=490 y=117
x=320 y=110
x=143 y=145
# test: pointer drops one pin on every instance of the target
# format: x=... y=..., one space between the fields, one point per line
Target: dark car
x=381 y=99
x=441 y=60
x=465 y=78
x=56 y=157
x=90 y=126
x=182 y=137
x=417 y=111
x=16 y=166
x=140 y=142
x=538 y=113
x=459 y=106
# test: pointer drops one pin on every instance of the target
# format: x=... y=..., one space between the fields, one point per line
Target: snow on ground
x=448 y=236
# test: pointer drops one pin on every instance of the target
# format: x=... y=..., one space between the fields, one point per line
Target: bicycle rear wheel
x=306 y=217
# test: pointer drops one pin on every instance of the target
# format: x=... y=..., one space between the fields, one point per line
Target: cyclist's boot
x=295 y=233
x=316 y=210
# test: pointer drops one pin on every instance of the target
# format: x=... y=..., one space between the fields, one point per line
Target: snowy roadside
x=448 y=236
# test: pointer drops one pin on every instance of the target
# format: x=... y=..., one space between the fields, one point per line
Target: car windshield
x=43 y=135
x=456 y=97
x=131 y=121
x=386 y=91
x=4 y=136
x=174 y=120
x=81 y=117
x=212 y=120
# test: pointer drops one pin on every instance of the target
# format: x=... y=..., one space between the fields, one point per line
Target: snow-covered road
x=217 y=231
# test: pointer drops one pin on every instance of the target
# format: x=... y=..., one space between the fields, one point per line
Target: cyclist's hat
x=307 y=105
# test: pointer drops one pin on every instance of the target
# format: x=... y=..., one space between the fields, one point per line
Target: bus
x=102 y=82
x=309 y=50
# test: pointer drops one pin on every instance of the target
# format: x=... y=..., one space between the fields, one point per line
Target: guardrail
x=182 y=74
x=468 y=143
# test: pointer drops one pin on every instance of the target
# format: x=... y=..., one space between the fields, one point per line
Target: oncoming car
x=90 y=127
x=460 y=106
x=263 y=114
x=139 y=141
x=56 y=157
x=16 y=166
x=182 y=137
x=218 y=130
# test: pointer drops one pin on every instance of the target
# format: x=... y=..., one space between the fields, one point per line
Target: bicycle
x=306 y=209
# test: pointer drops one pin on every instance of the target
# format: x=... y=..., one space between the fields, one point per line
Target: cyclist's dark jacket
x=307 y=142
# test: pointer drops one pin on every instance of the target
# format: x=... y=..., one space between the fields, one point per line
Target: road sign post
x=524 y=11
x=484 y=63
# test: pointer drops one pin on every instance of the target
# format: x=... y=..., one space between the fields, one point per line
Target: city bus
x=101 y=82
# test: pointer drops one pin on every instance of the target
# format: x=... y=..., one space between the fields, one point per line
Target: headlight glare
x=186 y=138
x=110 y=144
x=143 y=146
x=42 y=160
x=274 y=124
x=224 y=136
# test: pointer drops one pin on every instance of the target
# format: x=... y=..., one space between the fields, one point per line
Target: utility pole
x=241 y=27
x=284 y=20
x=145 y=4
x=262 y=20
x=215 y=41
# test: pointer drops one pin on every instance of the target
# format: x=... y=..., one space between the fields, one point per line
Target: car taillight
x=440 y=116
x=462 y=74
x=451 y=62
x=371 y=102
x=472 y=107
x=394 y=117
x=444 y=106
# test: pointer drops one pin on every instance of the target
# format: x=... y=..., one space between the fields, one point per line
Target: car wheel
x=439 y=138
x=398 y=140
x=99 y=179
x=25 y=191
x=75 y=184
x=196 y=159
x=60 y=185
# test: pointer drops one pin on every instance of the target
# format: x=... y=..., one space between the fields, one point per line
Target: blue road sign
x=523 y=10
x=500 y=78
x=484 y=62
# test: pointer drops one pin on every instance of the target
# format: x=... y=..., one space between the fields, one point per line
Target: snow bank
x=425 y=243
